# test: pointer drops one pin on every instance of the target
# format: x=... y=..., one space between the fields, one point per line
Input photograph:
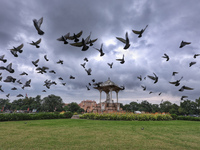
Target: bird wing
x=9 y=67
x=38 y=41
x=173 y=82
x=67 y=35
x=92 y=41
x=79 y=34
x=151 y=77
x=121 y=39
x=136 y=32
x=20 y=47
x=39 y=22
x=79 y=44
x=119 y=59
x=188 y=88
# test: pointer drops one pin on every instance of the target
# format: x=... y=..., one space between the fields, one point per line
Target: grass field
x=72 y=134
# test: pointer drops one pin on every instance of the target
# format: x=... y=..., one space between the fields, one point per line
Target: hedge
x=126 y=116
x=36 y=116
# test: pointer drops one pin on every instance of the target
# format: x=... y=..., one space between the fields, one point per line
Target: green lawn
x=81 y=134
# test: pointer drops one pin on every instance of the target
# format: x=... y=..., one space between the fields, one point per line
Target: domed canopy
x=107 y=85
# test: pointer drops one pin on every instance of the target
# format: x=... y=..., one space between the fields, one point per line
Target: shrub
x=68 y=114
x=174 y=116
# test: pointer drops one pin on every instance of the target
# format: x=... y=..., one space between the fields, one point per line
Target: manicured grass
x=72 y=134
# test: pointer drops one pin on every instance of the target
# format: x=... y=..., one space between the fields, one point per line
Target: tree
x=74 y=107
x=165 y=106
x=52 y=103
x=145 y=106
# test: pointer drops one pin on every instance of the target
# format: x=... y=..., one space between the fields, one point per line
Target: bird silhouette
x=144 y=87
x=121 y=60
x=75 y=36
x=177 y=82
x=185 y=88
x=36 y=43
x=18 y=49
x=1 y=59
x=64 y=38
x=125 y=41
x=100 y=50
x=93 y=80
x=52 y=71
x=8 y=68
x=195 y=55
x=83 y=65
x=9 y=79
x=24 y=73
x=27 y=84
x=42 y=69
x=60 y=62
x=1 y=88
x=160 y=93
x=166 y=56
x=192 y=63
x=20 y=95
x=64 y=84
x=182 y=97
x=14 y=88
x=140 y=32
x=87 y=87
x=37 y=24
x=184 y=44
x=88 y=71
x=18 y=81
x=155 y=78
x=35 y=62
x=110 y=64
x=174 y=73
x=8 y=95
x=140 y=78
x=85 y=59
x=72 y=77
x=45 y=57
x=60 y=78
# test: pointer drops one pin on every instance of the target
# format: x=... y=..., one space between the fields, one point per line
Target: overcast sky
x=169 y=23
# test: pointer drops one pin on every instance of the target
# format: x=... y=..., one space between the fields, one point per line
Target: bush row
x=126 y=116
x=188 y=118
x=36 y=116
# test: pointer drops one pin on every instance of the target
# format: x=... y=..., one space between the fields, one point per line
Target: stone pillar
x=117 y=96
x=110 y=95
x=100 y=96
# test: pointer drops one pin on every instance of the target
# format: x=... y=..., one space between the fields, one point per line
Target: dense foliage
x=36 y=116
x=127 y=116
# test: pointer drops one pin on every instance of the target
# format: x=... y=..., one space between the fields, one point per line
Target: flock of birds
x=84 y=43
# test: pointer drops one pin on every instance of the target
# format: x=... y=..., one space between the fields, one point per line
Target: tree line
x=53 y=103
x=186 y=107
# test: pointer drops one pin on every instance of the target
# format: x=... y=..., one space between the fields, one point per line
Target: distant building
x=88 y=105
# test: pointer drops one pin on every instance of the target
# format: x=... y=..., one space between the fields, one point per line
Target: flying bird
x=36 y=43
x=75 y=36
x=18 y=49
x=10 y=79
x=14 y=88
x=20 y=95
x=85 y=59
x=166 y=56
x=195 y=55
x=1 y=88
x=88 y=71
x=144 y=87
x=100 y=50
x=1 y=59
x=185 y=88
x=27 y=84
x=60 y=62
x=182 y=97
x=177 y=82
x=110 y=64
x=45 y=57
x=83 y=65
x=64 y=38
x=24 y=73
x=174 y=73
x=18 y=81
x=121 y=60
x=35 y=62
x=184 y=44
x=155 y=78
x=72 y=77
x=125 y=41
x=93 y=80
x=52 y=71
x=8 y=68
x=8 y=95
x=192 y=63
x=87 y=88
x=140 y=32
x=37 y=24
x=42 y=69
x=60 y=78
x=140 y=78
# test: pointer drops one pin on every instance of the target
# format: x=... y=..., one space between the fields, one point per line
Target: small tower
x=108 y=105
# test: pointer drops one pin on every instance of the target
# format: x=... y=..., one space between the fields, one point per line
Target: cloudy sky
x=169 y=23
